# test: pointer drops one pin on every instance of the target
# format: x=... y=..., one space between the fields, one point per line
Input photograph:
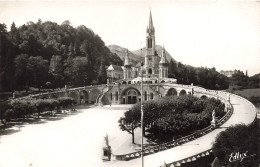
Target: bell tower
x=151 y=57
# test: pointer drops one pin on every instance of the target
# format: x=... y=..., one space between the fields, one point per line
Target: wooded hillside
x=46 y=54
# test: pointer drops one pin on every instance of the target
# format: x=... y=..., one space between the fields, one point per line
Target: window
x=150 y=71
x=151 y=96
x=116 y=95
x=149 y=43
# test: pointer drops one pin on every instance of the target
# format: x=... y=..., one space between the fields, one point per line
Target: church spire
x=150 y=25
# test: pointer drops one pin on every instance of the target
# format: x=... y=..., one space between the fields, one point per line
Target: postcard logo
x=239 y=156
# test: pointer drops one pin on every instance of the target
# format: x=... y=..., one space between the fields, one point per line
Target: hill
x=135 y=56
x=46 y=53
x=158 y=48
x=121 y=52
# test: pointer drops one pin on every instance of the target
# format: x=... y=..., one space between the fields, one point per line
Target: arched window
x=150 y=43
x=150 y=71
x=151 y=96
x=145 y=95
x=116 y=95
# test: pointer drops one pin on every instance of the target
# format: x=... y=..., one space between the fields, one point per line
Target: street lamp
x=142 y=115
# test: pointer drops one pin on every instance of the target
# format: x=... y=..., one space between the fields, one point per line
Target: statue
x=106 y=150
x=213 y=122
x=14 y=94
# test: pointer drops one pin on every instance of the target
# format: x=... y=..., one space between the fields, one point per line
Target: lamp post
x=142 y=116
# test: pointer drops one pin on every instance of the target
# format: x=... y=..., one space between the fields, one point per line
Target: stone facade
x=155 y=67
x=114 y=73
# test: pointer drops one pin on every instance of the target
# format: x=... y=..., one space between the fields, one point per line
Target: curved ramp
x=244 y=112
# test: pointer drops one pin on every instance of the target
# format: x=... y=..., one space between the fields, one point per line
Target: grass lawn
x=249 y=92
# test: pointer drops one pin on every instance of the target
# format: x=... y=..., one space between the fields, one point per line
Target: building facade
x=153 y=70
x=124 y=83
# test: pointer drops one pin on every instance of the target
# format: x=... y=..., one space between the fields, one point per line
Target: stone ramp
x=244 y=112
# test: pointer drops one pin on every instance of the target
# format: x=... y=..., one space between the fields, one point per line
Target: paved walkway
x=243 y=113
x=77 y=140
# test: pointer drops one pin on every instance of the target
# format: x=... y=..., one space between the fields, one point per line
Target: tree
x=38 y=67
x=237 y=139
x=130 y=122
x=79 y=71
x=239 y=79
x=172 y=69
x=102 y=74
x=14 y=34
x=46 y=39
x=4 y=106
x=173 y=116
x=21 y=70
x=56 y=66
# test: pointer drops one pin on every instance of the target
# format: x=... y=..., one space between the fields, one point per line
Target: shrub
x=174 y=116
x=237 y=139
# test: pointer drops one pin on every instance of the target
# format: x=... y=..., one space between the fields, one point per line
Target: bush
x=237 y=139
x=173 y=116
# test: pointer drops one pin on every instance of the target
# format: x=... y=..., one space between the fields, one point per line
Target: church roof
x=115 y=67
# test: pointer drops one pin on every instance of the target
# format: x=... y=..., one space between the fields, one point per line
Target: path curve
x=244 y=113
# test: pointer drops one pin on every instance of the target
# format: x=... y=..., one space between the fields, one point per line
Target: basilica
x=153 y=70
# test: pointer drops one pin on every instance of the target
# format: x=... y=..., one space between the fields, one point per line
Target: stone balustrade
x=185 y=139
x=219 y=122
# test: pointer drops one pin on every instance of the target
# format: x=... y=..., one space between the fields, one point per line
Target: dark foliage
x=174 y=116
x=53 y=54
x=237 y=139
x=206 y=77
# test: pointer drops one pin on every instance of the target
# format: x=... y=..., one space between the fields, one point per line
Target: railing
x=207 y=152
x=185 y=139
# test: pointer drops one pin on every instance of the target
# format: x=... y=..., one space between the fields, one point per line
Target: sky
x=220 y=34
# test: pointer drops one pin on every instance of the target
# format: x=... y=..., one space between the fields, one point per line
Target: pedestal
x=106 y=153
x=213 y=123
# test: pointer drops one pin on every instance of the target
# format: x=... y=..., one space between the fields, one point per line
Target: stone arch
x=203 y=97
x=130 y=96
x=171 y=92
x=93 y=95
x=84 y=96
x=183 y=92
x=124 y=82
x=129 y=82
x=75 y=96
x=162 y=81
